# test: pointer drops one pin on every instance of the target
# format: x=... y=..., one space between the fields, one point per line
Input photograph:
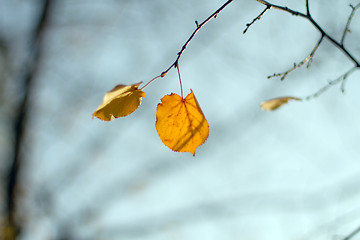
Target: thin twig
x=257 y=18
x=307 y=59
x=286 y=9
x=331 y=83
x=346 y=30
x=198 y=27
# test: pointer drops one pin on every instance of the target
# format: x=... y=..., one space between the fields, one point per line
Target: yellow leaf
x=119 y=102
x=180 y=123
x=275 y=103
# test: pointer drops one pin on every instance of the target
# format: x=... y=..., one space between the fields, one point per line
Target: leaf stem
x=150 y=81
x=181 y=87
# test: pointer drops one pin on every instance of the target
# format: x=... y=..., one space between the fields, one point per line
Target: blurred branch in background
x=207 y=210
x=13 y=227
x=352 y=234
x=4 y=67
x=242 y=205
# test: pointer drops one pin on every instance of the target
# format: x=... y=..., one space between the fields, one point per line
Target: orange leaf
x=119 y=102
x=180 y=123
x=275 y=103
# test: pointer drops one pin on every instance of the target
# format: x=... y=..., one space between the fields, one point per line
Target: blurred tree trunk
x=20 y=122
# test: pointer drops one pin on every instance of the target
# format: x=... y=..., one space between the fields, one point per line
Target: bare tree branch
x=316 y=25
x=307 y=8
x=339 y=45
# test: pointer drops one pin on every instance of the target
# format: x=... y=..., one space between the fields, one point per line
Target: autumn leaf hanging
x=180 y=123
x=121 y=101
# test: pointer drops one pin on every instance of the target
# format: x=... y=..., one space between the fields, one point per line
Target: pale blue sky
x=288 y=174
